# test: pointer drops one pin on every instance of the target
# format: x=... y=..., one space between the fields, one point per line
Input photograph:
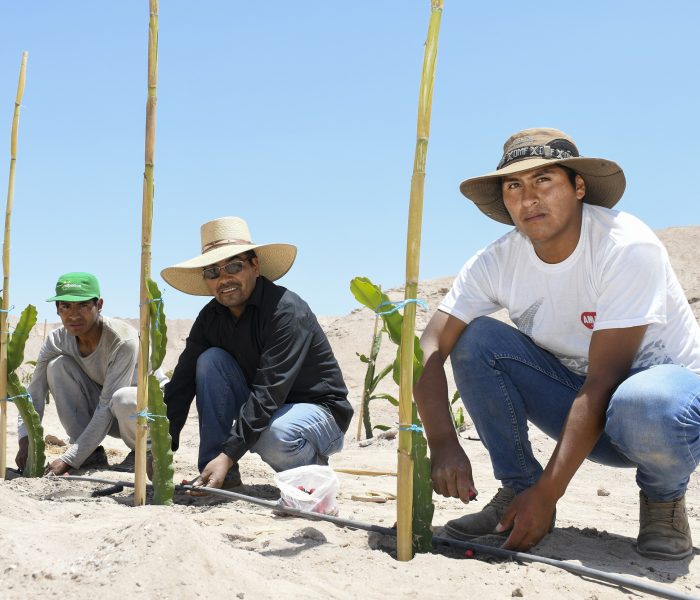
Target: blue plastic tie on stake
x=159 y=303
x=147 y=415
x=399 y=305
x=8 y=311
x=413 y=427
x=12 y=398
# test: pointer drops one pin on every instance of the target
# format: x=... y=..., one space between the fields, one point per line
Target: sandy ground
x=59 y=541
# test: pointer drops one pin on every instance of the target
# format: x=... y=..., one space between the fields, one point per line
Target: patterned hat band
x=555 y=150
x=218 y=243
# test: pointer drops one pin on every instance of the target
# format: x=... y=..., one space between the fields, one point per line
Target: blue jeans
x=298 y=434
x=506 y=380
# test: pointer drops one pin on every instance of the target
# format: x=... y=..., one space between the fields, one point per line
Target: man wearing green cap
x=89 y=366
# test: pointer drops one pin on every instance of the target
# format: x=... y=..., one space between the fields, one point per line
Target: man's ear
x=100 y=302
x=256 y=266
x=580 y=187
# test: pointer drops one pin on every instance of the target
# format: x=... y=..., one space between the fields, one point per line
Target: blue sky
x=301 y=119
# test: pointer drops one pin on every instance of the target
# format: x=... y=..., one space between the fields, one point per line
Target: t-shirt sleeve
x=633 y=287
x=473 y=292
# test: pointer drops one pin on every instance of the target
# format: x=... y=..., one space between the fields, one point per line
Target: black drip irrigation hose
x=619 y=580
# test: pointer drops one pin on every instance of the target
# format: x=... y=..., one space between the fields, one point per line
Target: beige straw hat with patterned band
x=531 y=148
x=223 y=238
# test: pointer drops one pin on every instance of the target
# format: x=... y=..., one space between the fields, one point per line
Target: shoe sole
x=664 y=556
x=467 y=537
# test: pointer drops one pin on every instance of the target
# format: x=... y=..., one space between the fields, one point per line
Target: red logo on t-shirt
x=588 y=319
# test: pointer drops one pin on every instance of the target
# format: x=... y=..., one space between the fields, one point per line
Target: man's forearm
x=611 y=355
x=433 y=405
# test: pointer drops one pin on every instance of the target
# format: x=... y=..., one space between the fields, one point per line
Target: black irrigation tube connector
x=619 y=580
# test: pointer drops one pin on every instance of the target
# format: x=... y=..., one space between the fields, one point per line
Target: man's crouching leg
x=123 y=407
x=506 y=380
x=654 y=419
x=221 y=392
x=299 y=434
x=75 y=394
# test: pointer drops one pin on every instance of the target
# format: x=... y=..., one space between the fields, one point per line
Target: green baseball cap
x=76 y=287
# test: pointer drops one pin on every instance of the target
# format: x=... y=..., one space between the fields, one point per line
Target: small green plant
x=159 y=426
x=457 y=413
x=371 y=383
x=35 y=432
x=371 y=296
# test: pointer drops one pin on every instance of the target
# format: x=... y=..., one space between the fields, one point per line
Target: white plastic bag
x=311 y=488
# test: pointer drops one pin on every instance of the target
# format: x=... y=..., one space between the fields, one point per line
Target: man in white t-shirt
x=89 y=366
x=605 y=356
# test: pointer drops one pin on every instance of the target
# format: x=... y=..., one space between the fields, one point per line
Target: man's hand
x=530 y=515
x=57 y=467
x=451 y=473
x=22 y=453
x=213 y=474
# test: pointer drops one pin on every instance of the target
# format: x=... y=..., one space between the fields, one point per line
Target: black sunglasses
x=232 y=268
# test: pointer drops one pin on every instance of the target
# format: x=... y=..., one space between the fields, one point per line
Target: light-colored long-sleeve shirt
x=111 y=366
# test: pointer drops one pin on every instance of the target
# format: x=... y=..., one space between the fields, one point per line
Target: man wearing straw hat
x=604 y=356
x=262 y=369
x=89 y=366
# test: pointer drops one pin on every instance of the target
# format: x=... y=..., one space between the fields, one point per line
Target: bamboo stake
x=4 y=333
x=365 y=472
x=415 y=216
x=146 y=228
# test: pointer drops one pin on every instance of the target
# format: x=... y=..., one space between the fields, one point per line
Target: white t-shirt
x=618 y=276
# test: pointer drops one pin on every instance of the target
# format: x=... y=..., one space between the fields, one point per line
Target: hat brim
x=70 y=298
x=605 y=183
x=274 y=260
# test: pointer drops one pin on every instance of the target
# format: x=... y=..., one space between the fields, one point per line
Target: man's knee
x=124 y=401
x=211 y=361
x=59 y=368
x=645 y=412
x=479 y=340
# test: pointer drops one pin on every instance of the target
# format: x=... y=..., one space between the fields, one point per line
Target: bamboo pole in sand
x=4 y=333
x=146 y=228
x=404 y=545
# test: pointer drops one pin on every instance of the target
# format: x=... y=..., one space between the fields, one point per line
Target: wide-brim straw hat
x=531 y=148
x=221 y=239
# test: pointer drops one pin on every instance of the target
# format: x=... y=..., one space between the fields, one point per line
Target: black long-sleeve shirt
x=283 y=353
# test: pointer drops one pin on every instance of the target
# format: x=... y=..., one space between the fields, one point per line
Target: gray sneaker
x=483 y=522
x=664 y=532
